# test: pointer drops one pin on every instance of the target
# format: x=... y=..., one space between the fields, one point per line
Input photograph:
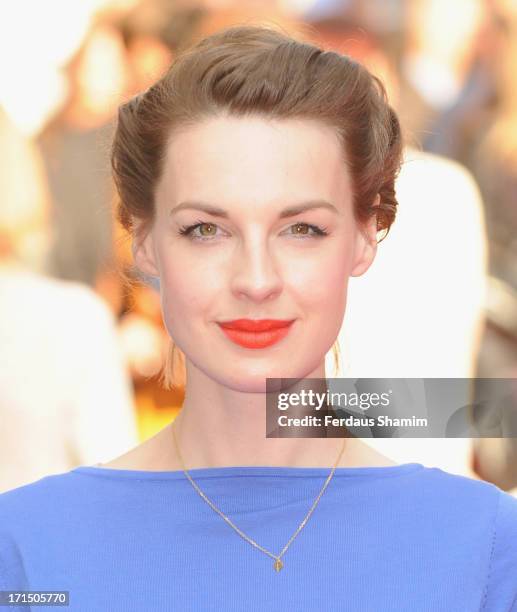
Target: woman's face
x=252 y=258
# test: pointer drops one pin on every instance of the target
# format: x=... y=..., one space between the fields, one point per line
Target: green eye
x=211 y=227
x=208 y=230
x=188 y=230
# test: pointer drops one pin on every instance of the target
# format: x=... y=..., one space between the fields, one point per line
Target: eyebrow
x=290 y=211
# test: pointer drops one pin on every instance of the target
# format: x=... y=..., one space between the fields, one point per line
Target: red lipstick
x=258 y=333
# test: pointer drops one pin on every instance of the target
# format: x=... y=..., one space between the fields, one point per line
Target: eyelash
x=186 y=230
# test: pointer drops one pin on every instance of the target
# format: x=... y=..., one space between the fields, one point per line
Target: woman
x=253 y=178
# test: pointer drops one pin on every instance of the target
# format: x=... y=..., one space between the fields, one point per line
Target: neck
x=219 y=427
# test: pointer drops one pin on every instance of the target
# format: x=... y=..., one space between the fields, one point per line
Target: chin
x=248 y=381
x=245 y=382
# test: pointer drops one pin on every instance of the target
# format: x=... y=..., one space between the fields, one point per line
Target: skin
x=253 y=264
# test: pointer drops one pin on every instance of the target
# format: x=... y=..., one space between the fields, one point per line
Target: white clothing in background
x=65 y=396
x=418 y=311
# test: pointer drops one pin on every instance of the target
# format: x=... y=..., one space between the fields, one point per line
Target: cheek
x=321 y=280
x=185 y=291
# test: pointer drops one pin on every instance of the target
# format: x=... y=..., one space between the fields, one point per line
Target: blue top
x=403 y=538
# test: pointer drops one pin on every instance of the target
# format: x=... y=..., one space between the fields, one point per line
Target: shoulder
x=47 y=504
x=19 y=503
x=458 y=488
x=464 y=507
x=506 y=519
x=480 y=517
x=60 y=502
x=25 y=513
x=36 y=517
x=501 y=582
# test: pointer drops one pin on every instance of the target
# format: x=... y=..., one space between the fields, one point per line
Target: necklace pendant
x=278 y=565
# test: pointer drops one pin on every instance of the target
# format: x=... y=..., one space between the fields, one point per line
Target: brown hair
x=259 y=70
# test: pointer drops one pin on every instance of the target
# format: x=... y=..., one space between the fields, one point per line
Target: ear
x=144 y=253
x=366 y=244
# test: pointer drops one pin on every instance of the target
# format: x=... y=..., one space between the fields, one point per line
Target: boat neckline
x=248 y=470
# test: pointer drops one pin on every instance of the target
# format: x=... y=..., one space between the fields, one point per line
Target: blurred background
x=81 y=350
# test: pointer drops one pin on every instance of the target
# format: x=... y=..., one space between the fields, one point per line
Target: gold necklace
x=278 y=565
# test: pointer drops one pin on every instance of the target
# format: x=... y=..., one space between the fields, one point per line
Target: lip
x=256 y=334
x=255 y=325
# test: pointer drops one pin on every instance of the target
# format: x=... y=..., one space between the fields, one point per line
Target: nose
x=255 y=273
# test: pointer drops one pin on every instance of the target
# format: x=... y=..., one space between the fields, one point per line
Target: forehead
x=245 y=158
